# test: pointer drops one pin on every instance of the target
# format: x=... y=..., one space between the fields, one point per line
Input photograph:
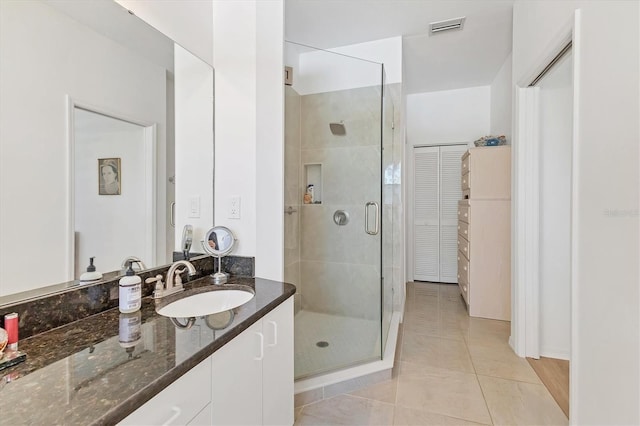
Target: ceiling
x=450 y=60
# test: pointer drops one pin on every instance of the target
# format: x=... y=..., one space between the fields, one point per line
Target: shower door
x=333 y=210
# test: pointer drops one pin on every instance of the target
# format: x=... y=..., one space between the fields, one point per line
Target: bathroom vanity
x=238 y=370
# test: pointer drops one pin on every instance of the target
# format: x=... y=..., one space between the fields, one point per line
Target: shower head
x=338 y=129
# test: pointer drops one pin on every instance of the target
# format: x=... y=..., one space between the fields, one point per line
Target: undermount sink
x=206 y=302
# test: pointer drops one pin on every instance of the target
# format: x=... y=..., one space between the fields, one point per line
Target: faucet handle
x=177 y=280
x=157 y=293
x=157 y=279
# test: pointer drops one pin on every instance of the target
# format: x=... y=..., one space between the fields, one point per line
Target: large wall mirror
x=102 y=118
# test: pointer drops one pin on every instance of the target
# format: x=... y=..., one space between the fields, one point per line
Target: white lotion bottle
x=130 y=292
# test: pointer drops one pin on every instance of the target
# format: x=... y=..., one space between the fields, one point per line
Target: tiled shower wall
x=336 y=268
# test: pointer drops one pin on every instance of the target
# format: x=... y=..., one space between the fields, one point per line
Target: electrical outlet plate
x=234 y=208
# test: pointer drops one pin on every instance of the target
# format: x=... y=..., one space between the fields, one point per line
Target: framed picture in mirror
x=109 y=176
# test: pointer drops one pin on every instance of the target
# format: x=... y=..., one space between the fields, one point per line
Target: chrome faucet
x=174 y=281
x=132 y=259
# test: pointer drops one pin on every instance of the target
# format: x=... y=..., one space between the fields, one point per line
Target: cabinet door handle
x=261 y=336
x=176 y=413
x=275 y=333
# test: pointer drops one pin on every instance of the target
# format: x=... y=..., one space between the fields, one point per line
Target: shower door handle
x=366 y=218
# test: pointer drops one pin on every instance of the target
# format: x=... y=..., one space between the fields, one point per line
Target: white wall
x=320 y=71
x=270 y=140
x=605 y=316
x=234 y=62
x=33 y=130
x=193 y=146
x=248 y=59
x=555 y=134
x=501 y=104
x=239 y=29
x=449 y=116
x=188 y=22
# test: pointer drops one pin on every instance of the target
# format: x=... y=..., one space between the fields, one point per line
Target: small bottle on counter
x=130 y=291
x=11 y=326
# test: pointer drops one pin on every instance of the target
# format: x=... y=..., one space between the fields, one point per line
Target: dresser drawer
x=465 y=164
x=463 y=229
x=463 y=281
x=463 y=212
x=465 y=181
x=463 y=269
x=463 y=246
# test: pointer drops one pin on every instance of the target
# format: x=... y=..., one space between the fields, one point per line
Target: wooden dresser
x=484 y=232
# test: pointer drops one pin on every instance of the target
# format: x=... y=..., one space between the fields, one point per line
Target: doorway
x=544 y=220
x=434 y=218
x=113 y=191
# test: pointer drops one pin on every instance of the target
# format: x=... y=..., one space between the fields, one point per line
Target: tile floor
x=450 y=370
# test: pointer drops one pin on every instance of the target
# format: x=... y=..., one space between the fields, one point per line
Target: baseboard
x=555 y=354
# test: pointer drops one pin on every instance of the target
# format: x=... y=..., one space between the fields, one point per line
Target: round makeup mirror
x=219 y=242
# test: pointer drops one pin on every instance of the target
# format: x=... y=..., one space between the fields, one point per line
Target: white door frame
x=525 y=265
x=150 y=148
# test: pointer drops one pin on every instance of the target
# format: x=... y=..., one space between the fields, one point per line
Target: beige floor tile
x=412 y=417
x=383 y=391
x=481 y=327
x=346 y=410
x=436 y=352
x=501 y=361
x=517 y=403
x=438 y=326
x=297 y=413
x=426 y=289
x=440 y=391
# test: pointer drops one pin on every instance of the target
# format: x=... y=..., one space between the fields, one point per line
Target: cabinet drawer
x=463 y=229
x=465 y=181
x=178 y=403
x=463 y=246
x=463 y=269
x=464 y=290
x=463 y=212
x=465 y=164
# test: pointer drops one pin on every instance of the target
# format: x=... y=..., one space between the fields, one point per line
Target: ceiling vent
x=449 y=24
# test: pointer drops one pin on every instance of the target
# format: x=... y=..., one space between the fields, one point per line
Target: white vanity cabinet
x=253 y=374
x=249 y=381
x=185 y=401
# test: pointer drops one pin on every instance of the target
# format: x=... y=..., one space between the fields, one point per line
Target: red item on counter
x=11 y=325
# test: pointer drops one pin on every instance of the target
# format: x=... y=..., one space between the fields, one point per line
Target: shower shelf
x=313 y=176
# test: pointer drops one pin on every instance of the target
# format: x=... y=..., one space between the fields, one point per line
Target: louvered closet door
x=435 y=228
x=426 y=214
x=450 y=194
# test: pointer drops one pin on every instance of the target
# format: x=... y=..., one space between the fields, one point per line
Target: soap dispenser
x=130 y=291
x=91 y=274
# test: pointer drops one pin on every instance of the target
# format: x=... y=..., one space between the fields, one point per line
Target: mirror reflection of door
x=110 y=224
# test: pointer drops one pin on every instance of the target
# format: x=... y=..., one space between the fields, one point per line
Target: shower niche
x=312 y=184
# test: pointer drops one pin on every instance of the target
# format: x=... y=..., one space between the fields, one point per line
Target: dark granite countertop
x=82 y=373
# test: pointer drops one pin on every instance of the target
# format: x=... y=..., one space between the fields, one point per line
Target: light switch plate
x=194 y=206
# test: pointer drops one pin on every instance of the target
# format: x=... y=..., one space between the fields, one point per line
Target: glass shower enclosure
x=334 y=125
